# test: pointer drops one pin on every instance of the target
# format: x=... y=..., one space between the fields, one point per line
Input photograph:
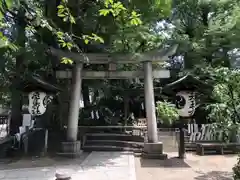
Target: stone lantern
x=184 y=91
x=40 y=94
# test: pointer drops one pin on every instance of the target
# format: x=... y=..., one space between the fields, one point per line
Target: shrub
x=167 y=112
x=236 y=170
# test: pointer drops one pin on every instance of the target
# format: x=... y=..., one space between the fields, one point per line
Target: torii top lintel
x=104 y=58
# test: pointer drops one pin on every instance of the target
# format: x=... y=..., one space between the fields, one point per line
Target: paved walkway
x=97 y=166
x=123 y=166
x=214 y=167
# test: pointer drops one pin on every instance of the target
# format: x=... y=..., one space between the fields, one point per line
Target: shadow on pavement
x=97 y=165
x=173 y=162
x=38 y=161
x=85 y=160
x=221 y=175
x=106 y=159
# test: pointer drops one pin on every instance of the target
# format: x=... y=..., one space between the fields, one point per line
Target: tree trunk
x=16 y=98
x=208 y=44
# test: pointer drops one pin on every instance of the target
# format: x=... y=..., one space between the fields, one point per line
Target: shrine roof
x=35 y=82
x=187 y=82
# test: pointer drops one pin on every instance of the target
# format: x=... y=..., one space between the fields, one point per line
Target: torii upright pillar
x=153 y=148
x=72 y=147
x=72 y=128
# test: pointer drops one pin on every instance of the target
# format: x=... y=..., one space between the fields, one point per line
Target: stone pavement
x=123 y=166
x=214 y=167
x=97 y=166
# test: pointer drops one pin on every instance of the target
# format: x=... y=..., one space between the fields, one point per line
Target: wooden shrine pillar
x=153 y=148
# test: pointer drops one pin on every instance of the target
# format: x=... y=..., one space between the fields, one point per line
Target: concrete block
x=153 y=151
x=71 y=149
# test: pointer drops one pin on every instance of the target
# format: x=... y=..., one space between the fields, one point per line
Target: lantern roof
x=186 y=83
x=36 y=83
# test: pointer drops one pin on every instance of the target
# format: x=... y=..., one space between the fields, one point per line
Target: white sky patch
x=165 y=29
x=234 y=56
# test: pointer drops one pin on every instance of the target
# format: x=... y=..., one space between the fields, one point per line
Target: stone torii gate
x=152 y=148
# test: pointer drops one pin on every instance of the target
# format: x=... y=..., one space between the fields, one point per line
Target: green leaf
x=72 y=19
x=9 y=3
x=60 y=11
x=108 y=2
x=69 y=45
x=135 y=21
x=66 y=60
x=60 y=34
x=61 y=15
x=167 y=112
x=86 y=41
x=13 y=47
x=104 y=12
x=65 y=19
x=60 y=6
x=134 y=14
x=1 y=15
x=101 y=40
x=3 y=43
x=97 y=38
x=61 y=41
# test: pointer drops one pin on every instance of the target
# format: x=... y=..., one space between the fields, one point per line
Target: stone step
x=186 y=138
x=115 y=143
x=113 y=136
x=90 y=148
